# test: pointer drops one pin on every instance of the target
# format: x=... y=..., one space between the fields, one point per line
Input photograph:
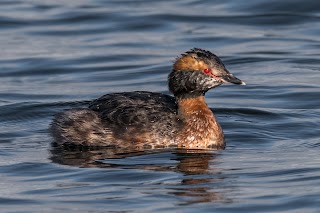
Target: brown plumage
x=201 y=129
x=153 y=120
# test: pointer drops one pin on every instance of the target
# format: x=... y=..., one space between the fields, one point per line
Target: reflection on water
x=193 y=164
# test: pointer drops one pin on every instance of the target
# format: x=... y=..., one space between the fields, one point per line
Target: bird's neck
x=200 y=127
x=193 y=107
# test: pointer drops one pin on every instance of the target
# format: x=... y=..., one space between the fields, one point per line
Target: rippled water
x=60 y=54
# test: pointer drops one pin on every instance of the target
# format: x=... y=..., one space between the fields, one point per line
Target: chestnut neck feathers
x=201 y=129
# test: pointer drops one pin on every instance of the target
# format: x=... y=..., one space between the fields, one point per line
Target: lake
x=56 y=55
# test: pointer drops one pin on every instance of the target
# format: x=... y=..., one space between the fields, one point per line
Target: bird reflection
x=196 y=165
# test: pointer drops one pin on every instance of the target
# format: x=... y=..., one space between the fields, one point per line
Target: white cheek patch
x=213 y=82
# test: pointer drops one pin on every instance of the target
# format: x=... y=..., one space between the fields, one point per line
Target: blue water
x=57 y=54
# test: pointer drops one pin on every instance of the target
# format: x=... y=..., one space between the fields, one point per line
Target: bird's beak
x=229 y=78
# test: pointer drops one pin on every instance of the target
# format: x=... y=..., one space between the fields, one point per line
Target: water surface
x=59 y=54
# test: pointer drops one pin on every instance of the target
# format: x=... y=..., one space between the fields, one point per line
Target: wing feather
x=135 y=108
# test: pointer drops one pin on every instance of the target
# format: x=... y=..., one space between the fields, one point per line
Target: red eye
x=206 y=71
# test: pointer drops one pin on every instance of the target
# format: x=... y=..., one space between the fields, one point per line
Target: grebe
x=153 y=120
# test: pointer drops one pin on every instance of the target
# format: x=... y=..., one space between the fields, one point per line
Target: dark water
x=60 y=54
